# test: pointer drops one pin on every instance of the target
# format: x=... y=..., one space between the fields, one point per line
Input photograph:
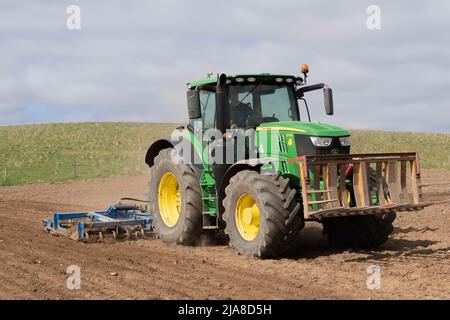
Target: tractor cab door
x=208 y=109
x=212 y=139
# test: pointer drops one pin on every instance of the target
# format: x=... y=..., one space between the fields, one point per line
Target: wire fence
x=57 y=169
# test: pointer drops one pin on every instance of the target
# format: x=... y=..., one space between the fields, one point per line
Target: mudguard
x=248 y=164
x=155 y=148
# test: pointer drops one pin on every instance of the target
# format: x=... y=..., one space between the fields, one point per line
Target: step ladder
x=209 y=200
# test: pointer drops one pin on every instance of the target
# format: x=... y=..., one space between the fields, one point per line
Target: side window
x=208 y=106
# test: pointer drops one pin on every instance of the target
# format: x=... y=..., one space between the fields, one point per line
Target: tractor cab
x=247 y=100
x=269 y=104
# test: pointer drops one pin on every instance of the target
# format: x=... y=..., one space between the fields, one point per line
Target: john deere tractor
x=290 y=170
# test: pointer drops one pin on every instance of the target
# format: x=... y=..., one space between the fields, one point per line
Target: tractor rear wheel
x=175 y=200
x=361 y=232
x=262 y=217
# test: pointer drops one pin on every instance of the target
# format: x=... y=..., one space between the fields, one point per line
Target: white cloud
x=131 y=60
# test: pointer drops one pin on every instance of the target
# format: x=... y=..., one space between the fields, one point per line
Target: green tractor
x=288 y=171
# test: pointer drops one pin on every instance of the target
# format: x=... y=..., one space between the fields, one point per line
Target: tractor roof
x=232 y=77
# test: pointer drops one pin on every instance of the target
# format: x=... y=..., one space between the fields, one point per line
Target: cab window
x=208 y=108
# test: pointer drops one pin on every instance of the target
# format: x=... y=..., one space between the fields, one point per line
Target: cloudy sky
x=131 y=59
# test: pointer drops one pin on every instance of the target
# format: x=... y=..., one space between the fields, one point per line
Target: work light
x=345 y=141
x=321 y=141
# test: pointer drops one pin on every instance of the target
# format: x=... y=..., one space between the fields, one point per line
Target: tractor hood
x=305 y=128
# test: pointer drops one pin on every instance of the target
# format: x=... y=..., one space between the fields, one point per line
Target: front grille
x=282 y=143
x=306 y=147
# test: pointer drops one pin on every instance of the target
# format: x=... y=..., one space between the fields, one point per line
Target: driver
x=239 y=112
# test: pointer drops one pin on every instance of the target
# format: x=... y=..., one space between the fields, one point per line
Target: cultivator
x=360 y=184
x=120 y=221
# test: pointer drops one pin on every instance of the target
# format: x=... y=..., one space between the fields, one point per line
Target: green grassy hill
x=49 y=152
x=433 y=148
x=71 y=151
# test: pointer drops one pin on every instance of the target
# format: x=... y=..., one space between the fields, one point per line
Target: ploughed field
x=414 y=263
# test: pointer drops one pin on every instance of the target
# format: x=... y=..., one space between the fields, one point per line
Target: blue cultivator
x=120 y=221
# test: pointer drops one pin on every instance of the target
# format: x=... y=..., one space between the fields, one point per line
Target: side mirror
x=328 y=98
x=300 y=92
x=193 y=102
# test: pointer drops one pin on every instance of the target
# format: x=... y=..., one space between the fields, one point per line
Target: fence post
x=140 y=154
x=74 y=168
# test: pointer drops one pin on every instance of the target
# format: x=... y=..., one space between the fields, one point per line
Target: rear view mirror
x=193 y=102
x=301 y=91
x=328 y=98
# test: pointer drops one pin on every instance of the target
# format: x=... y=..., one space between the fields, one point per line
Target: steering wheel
x=254 y=118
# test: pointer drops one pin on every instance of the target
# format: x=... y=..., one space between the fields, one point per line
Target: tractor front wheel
x=361 y=232
x=262 y=217
x=175 y=200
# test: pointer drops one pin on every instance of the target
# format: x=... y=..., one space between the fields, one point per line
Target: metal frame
x=77 y=225
x=327 y=197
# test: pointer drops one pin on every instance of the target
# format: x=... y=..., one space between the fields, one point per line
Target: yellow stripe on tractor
x=280 y=129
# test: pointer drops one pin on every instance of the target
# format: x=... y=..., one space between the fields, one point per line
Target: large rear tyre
x=175 y=200
x=361 y=232
x=262 y=217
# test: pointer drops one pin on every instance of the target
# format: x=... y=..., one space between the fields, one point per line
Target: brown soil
x=415 y=263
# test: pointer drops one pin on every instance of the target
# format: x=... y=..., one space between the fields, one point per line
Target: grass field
x=72 y=151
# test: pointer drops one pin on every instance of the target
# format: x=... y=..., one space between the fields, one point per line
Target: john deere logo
x=334 y=151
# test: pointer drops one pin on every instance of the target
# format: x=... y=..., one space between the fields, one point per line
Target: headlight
x=345 y=141
x=321 y=141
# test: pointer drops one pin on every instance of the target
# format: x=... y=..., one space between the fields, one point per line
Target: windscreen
x=253 y=104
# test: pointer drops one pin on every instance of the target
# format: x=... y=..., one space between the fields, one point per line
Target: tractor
x=291 y=170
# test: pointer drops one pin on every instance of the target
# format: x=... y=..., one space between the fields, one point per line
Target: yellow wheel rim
x=169 y=199
x=247 y=217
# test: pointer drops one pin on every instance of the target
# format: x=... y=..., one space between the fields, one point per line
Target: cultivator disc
x=119 y=234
